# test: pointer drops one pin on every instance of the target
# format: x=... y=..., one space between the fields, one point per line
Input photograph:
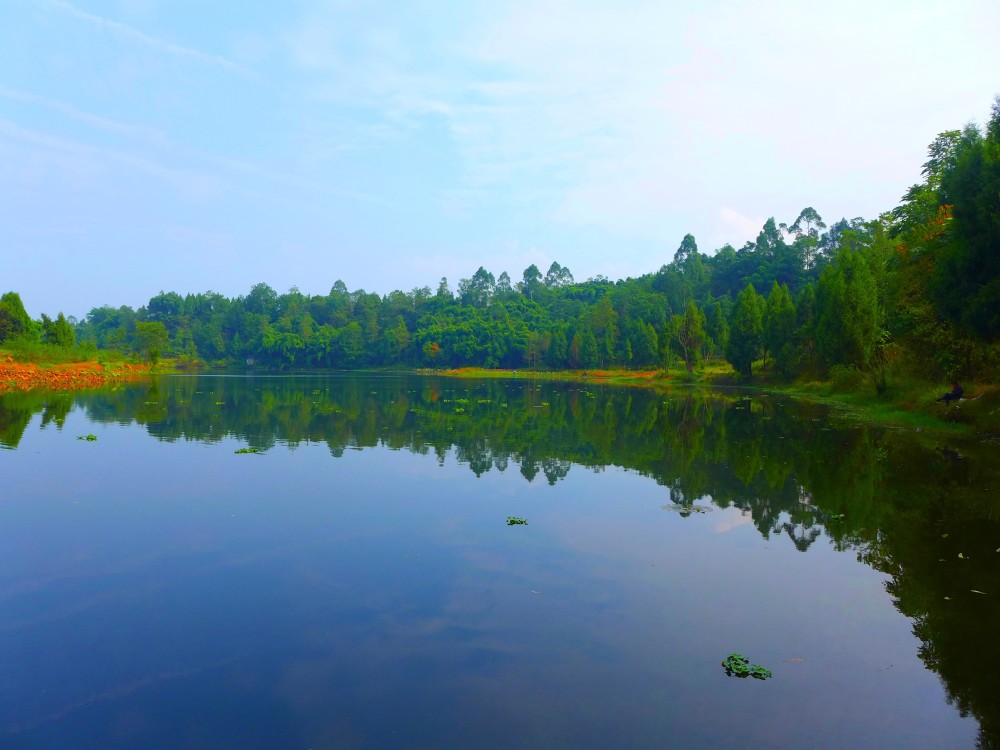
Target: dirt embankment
x=74 y=376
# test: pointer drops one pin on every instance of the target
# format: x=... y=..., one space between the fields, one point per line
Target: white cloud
x=638 y=117
x=128 y=33
x=737 y=227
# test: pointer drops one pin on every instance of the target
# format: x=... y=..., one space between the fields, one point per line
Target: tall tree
x=151 y=339
x=966 y=284
x=531 y=282
x=58 y=332
x=14 y=320
x=745 y=331
x=688 y=331
x=779 y=328
x=848 y=314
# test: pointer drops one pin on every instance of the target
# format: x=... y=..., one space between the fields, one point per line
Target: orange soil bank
x=74 y=376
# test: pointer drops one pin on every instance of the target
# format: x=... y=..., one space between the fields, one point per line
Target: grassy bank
x=30 y=365
x=910 y=405
x=905 y=404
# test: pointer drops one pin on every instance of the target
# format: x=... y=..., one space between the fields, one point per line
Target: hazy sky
x=193 y=145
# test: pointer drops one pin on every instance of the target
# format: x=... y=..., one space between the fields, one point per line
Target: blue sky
x=193 y=145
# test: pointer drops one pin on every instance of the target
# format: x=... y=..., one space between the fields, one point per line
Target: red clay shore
x=73 y=376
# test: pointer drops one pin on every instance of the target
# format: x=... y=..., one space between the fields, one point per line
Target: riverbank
x=617 y=377
x=912 y=406
x=68 y=376
x=908 y=405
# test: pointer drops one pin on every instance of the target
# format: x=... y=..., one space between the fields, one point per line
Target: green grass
x=907 y=402
x=35 y=352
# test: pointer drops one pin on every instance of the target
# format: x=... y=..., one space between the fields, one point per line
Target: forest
x=915 y=292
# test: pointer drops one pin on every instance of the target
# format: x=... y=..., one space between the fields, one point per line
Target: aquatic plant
x=90 y=437
x=516 y=521
x=247 y=450
x=739 y=666
x=686 y=509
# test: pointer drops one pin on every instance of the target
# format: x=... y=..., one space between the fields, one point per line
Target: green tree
x=688 y=331
x=717 y=326
x=151 y=338
x=14 y=320
x=779 y=328
x=531 y=282
x=848 y=314
x=58 y=332
x=745 y=331
x=966 y=283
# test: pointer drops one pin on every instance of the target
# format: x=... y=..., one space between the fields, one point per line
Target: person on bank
x=954 y=395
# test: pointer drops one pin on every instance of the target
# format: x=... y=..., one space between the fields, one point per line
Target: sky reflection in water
x=356 y=585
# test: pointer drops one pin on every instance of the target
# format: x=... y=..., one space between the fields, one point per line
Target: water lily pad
x=686 y=509
x=737 y=665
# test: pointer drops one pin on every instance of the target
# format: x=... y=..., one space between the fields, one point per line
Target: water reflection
x=923 y=514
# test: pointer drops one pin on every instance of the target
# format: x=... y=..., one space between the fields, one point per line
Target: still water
x=355 y=584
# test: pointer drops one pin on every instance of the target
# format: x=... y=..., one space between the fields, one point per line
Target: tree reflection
x=902 y=507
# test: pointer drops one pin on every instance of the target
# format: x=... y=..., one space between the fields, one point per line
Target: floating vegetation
x=840 y=517
x=516 y=521
x=739 y=666
x=90 y=437
x=220 y=403
x=686 y=510
x=150 y=403
x=247 y=450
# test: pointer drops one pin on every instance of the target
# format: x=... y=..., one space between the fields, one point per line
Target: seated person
x=955 y=394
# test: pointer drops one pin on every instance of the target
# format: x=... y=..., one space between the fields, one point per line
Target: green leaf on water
x=516 y=521
x=947 y=598
x=739 y=666
x=962 y=556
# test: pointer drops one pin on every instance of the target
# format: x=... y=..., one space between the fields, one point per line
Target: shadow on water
x=927 y=517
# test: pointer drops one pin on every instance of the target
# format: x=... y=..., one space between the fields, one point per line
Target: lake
x=355 y=584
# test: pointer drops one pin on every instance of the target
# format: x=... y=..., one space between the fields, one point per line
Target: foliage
x=915 y=291
x=91 y=437
x=516 y=521
x=737 y=665
x=151 y=339
x=688 y=332
x=14 y=320
x=745 y=331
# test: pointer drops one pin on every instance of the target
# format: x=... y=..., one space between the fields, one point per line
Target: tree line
x=916 y=289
